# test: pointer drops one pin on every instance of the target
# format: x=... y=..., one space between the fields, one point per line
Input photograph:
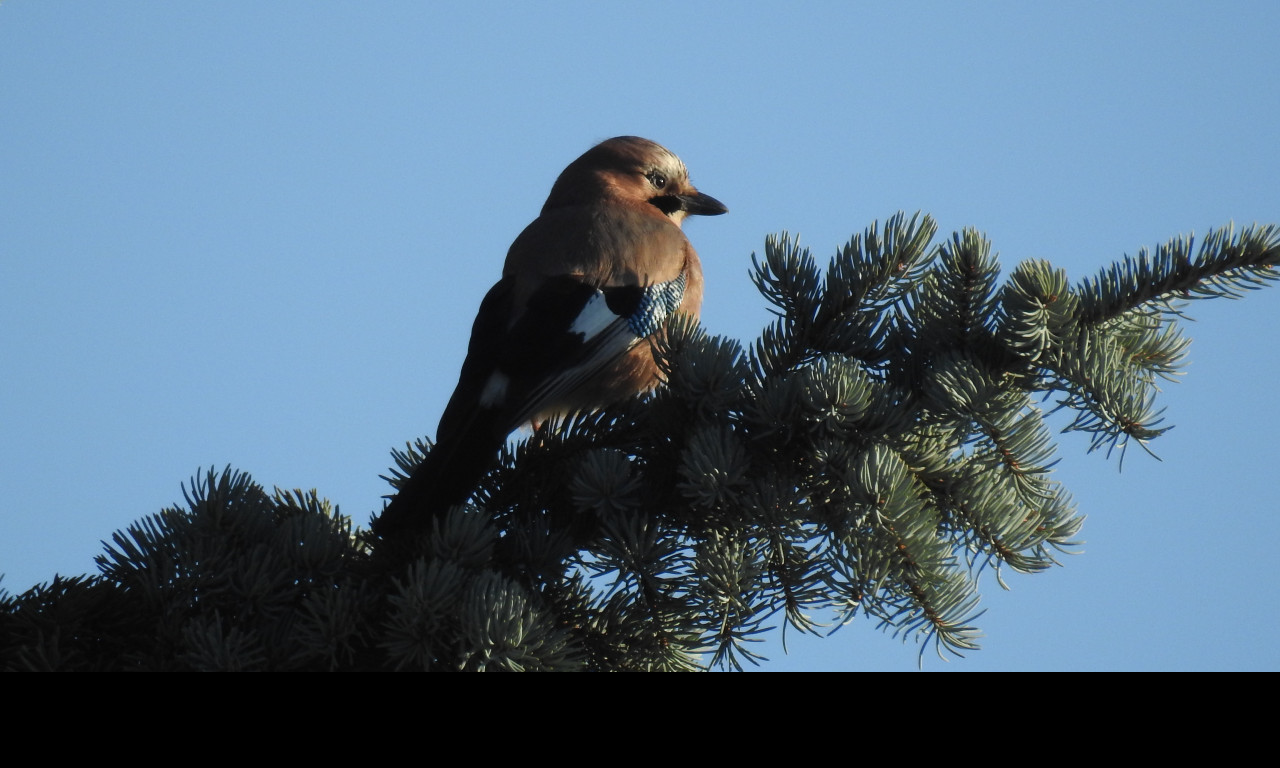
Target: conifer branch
x=871 y=452
x=1225 y=265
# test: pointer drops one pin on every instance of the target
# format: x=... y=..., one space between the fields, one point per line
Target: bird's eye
x=657 y=179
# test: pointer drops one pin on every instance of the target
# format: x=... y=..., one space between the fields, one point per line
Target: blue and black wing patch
x=605 y=324
x=645 y=308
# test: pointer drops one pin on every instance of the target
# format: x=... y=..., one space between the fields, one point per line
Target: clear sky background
x=257 y=233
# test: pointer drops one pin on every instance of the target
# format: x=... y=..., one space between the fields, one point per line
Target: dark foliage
x=877 y=445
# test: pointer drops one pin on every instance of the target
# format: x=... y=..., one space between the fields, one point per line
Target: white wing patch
x=594 y=318
x=495 y=390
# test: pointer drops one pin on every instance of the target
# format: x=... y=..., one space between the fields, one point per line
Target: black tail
x=446 y=477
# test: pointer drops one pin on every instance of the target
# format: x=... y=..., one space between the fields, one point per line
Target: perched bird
x=564 y=329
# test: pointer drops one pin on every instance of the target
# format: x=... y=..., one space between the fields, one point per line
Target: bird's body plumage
x=565 y=329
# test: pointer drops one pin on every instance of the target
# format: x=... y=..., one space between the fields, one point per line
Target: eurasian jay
x=565 y=329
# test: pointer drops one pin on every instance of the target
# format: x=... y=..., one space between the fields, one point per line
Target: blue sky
x=256 y=234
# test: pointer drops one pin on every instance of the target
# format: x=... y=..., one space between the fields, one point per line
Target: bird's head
x=632 y=169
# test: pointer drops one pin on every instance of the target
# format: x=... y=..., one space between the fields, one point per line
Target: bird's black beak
x=701 y=205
